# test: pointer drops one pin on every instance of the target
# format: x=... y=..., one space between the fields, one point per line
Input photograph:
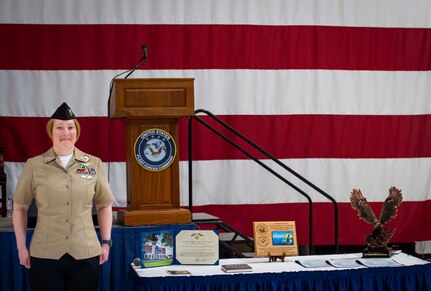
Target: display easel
x=272 y=258
x=146 y=104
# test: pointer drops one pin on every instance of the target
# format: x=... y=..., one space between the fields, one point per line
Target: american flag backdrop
x=339 y=91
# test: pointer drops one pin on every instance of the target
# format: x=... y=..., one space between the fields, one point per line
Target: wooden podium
x=151 y=108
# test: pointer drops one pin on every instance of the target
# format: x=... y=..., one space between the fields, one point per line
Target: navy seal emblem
x=155 y=149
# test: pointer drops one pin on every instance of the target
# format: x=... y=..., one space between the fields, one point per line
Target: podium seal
x=155 y=149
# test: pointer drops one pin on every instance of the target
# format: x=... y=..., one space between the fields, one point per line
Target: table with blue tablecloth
x=411 y=274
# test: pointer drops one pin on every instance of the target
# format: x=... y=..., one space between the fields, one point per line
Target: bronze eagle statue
x=379 y=238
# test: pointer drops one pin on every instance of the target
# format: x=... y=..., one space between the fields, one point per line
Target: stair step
x=204 y=218
x=249 y=255
x=228 y=236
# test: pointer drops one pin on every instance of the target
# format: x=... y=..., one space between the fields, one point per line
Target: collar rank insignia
x=85 y=159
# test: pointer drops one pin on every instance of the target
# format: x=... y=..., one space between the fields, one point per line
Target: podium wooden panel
x=146 y=104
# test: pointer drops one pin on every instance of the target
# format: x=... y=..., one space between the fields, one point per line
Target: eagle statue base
x=376 y=242
x=383 y=252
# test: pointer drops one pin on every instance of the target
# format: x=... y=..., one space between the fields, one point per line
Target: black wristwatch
x=107 y=241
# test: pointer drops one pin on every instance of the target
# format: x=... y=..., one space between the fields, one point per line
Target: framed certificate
x=197 y=247
x=275 y=238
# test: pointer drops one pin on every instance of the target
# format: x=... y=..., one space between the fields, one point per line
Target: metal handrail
x=320 y=191
x=302 y=178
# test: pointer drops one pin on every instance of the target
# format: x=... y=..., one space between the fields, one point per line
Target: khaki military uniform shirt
x=64 y=199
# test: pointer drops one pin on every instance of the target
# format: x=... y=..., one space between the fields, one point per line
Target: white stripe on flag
x=230 y=91
x=370 y=13
x=244 y=182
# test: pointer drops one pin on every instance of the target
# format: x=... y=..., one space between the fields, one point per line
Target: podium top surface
x=152 y=97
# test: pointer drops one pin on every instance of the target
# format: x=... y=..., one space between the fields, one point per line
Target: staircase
x=232 y=243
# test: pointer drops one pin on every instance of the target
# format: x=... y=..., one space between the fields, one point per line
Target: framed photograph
x=157 y=248
x=275 y=238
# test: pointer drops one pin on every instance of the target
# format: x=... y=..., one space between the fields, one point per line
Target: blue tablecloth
x=417 y=277
x=127 y=244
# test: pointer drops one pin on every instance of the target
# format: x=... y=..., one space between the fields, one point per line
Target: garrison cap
x=63 y=112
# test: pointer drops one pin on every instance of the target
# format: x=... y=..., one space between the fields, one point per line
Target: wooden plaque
x=275 y=238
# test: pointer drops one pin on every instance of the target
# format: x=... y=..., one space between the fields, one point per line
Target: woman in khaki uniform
x=64 y=253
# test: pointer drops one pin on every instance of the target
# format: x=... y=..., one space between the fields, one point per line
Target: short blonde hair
x=50 y=127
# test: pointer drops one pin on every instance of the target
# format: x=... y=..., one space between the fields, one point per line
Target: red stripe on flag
x=100 y=136
x=413 y=220
x=284 y=136
x=318 y=136
x=109 y=46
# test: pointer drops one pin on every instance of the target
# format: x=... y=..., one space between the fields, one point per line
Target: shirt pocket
x=83 y=189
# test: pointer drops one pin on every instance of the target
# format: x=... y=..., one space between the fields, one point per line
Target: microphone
x=144 y=50
x=142 y=59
